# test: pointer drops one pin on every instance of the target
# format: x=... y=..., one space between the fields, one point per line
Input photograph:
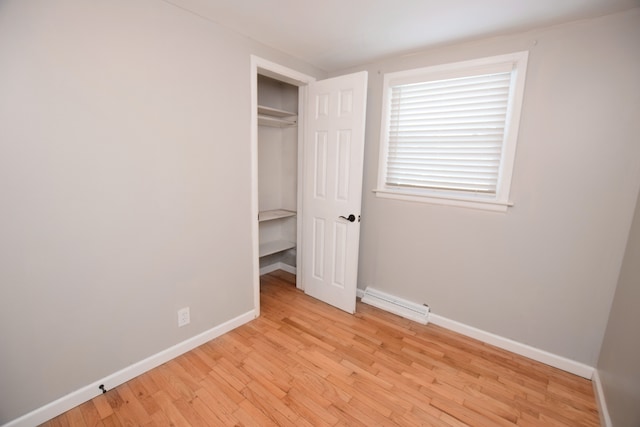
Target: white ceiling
x=336 y=34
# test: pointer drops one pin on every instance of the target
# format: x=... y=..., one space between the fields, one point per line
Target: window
x=449 y=132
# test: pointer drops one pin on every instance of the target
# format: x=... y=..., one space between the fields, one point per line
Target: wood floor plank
x=222 y=410
x=166 y=403
x=313 y=408
x=158 y=419
x=102 y=406
x=132 y=405
x=224 y=392
x=90 y=414
x=304 y=363
x=75 y=418
x=112 y=421
x=142 y=394
x=254 y=413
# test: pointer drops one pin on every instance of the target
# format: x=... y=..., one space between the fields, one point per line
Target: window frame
x=495 y=202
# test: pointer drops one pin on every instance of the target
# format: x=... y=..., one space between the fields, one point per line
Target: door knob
x=350 y=218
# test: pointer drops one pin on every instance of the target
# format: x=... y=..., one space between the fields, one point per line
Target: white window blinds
x=448 y=134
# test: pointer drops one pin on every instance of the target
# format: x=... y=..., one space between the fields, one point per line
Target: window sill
x=471 y=203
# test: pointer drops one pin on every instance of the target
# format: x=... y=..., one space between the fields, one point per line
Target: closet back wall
x=277 y=169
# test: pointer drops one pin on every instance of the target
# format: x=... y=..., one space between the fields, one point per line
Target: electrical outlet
x=183 y=317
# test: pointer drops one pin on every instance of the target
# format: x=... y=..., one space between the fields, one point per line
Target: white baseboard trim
x=90 y=391
x=277 y=266
x=603 y=411
x=525 y=350
x=288 y=268
x=543 y=356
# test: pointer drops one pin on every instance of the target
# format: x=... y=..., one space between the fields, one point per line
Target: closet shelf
x=274 y=214
x=275 y=117
x=275 y=122
x=275 y=246
x=274 y=112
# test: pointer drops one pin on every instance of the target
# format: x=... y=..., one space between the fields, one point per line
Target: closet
x=277 y=174
x=307 y=150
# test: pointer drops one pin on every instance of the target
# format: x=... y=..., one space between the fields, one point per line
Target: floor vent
x=407 y=309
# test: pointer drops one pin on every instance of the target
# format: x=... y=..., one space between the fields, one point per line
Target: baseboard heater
x=407 y=309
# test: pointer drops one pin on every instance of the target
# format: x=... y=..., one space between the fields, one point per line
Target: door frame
x=261 y=66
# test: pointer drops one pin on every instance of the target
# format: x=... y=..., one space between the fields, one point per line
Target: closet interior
x=277 y=174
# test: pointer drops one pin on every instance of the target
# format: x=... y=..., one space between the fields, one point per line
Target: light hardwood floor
x=303 y=363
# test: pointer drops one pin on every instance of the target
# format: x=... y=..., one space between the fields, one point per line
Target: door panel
x=320 y=166
x=332 y=187
x=343 y=165
x=339 y=251
x=318 y=249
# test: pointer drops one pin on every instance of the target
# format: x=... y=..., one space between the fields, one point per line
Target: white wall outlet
x=183 y=317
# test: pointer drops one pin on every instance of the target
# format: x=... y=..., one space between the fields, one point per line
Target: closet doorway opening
x=307 y=150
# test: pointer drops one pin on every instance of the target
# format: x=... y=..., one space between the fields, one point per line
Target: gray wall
x=125 y=187
x=544 y=273
x=618 y=366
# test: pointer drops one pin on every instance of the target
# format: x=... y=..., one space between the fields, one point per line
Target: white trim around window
x=449 y=132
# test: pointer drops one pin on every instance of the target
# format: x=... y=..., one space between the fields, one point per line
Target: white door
x=332 y=192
